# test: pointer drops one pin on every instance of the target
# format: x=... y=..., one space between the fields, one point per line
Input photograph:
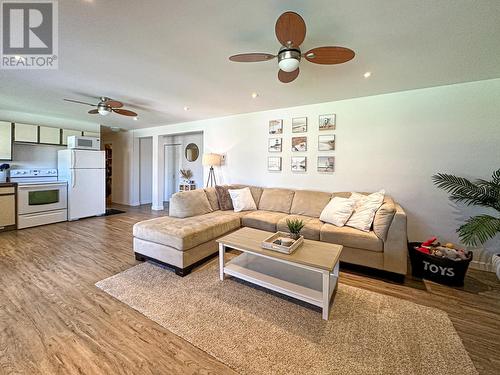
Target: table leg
x=336 y=269
x=326 y=294
x=222 y=252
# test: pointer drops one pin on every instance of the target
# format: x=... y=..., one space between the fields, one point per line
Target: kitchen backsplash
x=30 y=156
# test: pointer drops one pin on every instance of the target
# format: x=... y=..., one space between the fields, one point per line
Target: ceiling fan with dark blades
x=106 y=106
x=290 y=30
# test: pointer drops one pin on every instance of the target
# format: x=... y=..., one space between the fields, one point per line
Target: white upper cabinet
x=5 y=140
x=50 y=136
x=25 y=133
x=68 y=133
x=92 y=134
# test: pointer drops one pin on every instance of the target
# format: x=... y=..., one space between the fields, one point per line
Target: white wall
x=394 y=141
x=146 y=170
x=195 y=166
x=180 y=161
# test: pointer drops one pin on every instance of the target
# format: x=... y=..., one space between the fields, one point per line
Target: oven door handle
x=43 y=186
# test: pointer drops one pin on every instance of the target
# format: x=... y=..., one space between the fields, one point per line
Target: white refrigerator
x=84 y=171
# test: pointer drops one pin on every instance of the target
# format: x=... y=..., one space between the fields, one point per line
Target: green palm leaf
x=479 y=229
x=464 y=191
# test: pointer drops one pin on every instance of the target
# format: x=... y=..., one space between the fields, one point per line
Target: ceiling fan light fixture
x=289 y=65
x=103 y=110
x=289 y=59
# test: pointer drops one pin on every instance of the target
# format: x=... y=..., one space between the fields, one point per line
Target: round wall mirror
x=192 y=152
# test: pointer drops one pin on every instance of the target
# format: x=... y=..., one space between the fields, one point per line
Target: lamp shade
x=211 y=160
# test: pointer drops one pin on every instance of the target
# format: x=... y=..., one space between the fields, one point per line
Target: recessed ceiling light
x=254 y=95
x=186 y=108
x=367 y=74
x=135 y=118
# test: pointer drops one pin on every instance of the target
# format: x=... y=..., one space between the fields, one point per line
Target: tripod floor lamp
x=211 y=160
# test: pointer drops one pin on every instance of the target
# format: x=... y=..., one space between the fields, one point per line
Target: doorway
x=108 y=152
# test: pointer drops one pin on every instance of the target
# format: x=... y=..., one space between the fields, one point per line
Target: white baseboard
x=482 y=266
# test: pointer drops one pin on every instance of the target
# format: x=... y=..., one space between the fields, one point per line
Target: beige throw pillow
x=242 y=199
x=338 y=211
x=365 y=209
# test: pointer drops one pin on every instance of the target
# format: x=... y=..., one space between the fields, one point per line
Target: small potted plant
x=295 y=226
x=3 y=172
x=186 y=174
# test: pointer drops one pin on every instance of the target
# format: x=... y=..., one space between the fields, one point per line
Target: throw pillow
x=365 y=209
x=225 y=202
x=242 y=200
x=338 y=211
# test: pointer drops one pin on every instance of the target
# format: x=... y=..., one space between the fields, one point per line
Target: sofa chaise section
x=182 y=242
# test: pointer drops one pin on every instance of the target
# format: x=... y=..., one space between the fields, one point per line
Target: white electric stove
x=41 y=198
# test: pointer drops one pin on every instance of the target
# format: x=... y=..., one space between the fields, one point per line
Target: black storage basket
x=441 y=270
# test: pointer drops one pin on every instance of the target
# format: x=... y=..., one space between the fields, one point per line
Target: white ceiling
x=160 y=56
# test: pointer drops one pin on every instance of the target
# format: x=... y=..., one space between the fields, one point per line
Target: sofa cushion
x=263 y=220
x=311 y=228
x=256 y=194
x=189 y=203
x=309 y=203
x=351 y=237
x=277 y=200
x=184 y=234
x=225 y=202
x=383 y=218
x=212 y=198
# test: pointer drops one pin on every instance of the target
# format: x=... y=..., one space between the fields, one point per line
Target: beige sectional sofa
x=188 y=236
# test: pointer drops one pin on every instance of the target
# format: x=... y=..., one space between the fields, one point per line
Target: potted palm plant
x=480 y=228
x=477 y=229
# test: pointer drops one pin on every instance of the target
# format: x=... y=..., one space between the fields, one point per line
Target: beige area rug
x=255 y=331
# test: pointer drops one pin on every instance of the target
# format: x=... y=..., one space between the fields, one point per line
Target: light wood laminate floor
x=53 y=320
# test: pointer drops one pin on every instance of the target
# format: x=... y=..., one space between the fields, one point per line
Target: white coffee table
x=310 y=274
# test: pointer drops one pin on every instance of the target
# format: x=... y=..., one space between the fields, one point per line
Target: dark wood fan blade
x=113 y=103
x=287 y=77
x=93 y=111
x=290 y=28
x=329 y=55
x=125 y=112
x=79 y=102
x=252 y=57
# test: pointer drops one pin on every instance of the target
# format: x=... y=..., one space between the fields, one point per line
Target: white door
x=83 y=159
x=86 y=193
x=172 y=167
